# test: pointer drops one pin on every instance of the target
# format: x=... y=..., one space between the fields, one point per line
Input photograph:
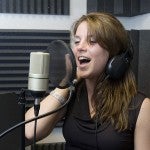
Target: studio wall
x=47 y=7
x=119 y=7
x=57 y=22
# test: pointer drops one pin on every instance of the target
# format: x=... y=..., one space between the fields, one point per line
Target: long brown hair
x=111 y=99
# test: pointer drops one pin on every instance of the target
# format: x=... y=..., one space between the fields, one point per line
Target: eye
x=76 y=42
x=92 y=41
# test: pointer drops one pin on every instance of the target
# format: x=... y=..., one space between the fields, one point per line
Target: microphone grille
x=39 y=64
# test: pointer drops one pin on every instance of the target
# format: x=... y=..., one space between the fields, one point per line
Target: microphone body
x=38 y=80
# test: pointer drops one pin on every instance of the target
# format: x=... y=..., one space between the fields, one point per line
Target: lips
x=83 y=60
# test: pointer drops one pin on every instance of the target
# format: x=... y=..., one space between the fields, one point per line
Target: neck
x=90 y=85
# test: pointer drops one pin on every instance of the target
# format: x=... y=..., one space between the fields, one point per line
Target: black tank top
x=82 y=133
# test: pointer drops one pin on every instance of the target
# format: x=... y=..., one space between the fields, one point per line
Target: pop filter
x=62 y=64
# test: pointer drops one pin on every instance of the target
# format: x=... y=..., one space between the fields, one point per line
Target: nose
x=82 y=46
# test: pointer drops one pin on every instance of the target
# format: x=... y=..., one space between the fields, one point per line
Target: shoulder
x=137 y=102
x=143 y=120
x=146 y=103
x=135 y=107
x=144 y=114
x=142 y=129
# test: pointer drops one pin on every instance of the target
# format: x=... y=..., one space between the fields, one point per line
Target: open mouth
x=83 y=59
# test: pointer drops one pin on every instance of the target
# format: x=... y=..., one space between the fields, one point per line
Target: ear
x=118 y=65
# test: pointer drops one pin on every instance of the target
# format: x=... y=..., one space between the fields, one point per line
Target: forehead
x=83 y=29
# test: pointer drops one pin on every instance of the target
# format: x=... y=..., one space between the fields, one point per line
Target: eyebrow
x=76 y=37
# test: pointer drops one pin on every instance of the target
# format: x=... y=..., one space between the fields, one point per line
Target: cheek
x=100 y=64
x=101 y=61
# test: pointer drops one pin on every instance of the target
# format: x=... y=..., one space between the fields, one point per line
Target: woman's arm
x=142 y=130
x=46 y=124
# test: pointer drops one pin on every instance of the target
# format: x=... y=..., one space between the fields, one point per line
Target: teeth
x=84 y=59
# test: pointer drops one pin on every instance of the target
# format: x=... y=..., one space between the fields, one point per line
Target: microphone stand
x=36 y=112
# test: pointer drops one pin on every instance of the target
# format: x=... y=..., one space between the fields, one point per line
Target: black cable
x=38 y=117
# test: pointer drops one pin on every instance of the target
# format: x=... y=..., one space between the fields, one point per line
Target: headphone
x=118 y=65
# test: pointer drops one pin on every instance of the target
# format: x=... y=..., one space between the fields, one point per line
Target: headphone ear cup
x=117 y=66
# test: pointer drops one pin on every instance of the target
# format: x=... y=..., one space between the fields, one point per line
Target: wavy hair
x=111 y=99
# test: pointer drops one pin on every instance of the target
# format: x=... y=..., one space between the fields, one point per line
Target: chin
x=85 y=76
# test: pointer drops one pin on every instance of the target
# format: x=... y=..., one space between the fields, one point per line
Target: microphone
x=38 y=79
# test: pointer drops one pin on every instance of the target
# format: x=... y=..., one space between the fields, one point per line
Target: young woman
x=104 y=113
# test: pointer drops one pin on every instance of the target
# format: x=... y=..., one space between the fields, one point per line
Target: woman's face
x=91 y=58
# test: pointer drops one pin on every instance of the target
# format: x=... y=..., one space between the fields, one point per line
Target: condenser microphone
x=38 y=79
